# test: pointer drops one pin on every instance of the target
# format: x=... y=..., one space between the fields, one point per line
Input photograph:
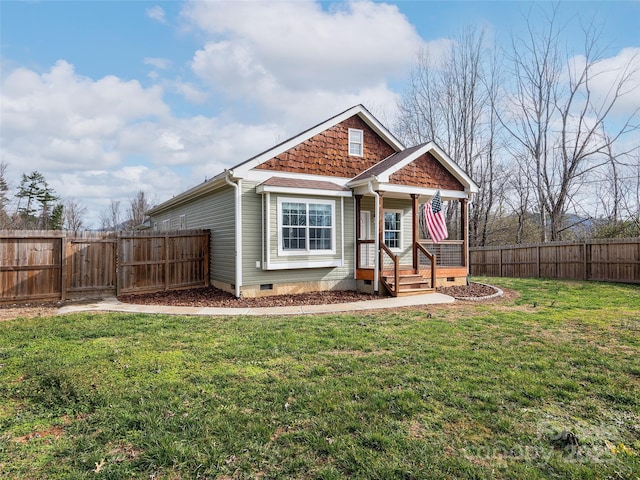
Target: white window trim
x=183 y=222
x=401 y=212
x=166 y=224
x=361 y=142
x=307 y=252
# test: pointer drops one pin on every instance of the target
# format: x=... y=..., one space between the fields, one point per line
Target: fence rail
x=611 y=260
x=55 y=265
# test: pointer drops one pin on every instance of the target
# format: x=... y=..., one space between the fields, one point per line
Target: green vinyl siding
x=252 y=242
x=213 y=211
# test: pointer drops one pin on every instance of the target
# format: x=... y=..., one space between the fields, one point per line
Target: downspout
x=238 y=227
x=376 y=263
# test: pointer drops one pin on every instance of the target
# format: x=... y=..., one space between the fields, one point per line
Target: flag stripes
x=435 y=219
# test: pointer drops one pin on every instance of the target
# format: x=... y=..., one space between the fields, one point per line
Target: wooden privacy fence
x=55 y=265
x=610 y=260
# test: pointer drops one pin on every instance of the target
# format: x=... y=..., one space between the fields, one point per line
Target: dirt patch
x=28 y=310
x=49 y=434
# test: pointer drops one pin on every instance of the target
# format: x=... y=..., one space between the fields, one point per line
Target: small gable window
x=356 y=144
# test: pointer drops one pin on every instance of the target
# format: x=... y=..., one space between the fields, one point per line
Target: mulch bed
x=214 y=297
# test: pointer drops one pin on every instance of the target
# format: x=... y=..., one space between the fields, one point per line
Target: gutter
x=376 y=263
x=238 y=228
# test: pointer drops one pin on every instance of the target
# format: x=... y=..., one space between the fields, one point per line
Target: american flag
x=435 y=219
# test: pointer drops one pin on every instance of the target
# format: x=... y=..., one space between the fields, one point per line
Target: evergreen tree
x=33 y=191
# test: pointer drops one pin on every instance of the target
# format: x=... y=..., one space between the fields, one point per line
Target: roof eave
x=194 y=192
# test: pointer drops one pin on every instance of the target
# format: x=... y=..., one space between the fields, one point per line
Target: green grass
x=470 y=391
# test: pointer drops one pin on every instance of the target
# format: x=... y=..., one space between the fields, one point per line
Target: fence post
x=207 y=257
x=500 y=261
x=64 y=256
x=116 y=262
x=166 y=261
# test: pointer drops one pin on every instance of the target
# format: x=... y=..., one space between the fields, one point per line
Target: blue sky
x=109 y=97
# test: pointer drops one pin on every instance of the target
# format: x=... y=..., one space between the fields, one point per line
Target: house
x=337 y=206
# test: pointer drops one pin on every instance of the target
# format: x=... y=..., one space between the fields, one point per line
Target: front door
x=367 y=252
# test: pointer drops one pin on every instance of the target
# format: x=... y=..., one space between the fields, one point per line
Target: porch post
x=415 y=234
x=464 y=213
x=358 y=230
x=380 y=234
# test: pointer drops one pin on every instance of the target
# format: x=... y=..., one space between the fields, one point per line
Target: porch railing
x=426 y=258
x=449 y=253
x=389 y=261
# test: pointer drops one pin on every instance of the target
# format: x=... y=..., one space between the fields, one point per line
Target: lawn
x=466 y=391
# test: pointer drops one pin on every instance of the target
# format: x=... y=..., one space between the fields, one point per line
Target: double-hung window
x=393 y=229
x=356 y=142
x=306 y=226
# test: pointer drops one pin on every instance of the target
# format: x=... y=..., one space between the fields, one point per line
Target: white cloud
x=60 y=103
x=609 y=72
x=156 y=13
x=189 y=92
x=64 y=125
x=159 y=63
x=291 y=56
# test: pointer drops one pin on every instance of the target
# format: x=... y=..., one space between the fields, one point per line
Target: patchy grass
x=470 y=391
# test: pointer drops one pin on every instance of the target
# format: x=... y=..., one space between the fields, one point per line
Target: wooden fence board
x=611 y=260
x=54 y=265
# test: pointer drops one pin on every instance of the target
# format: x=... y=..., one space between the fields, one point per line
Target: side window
x=183 y=222
x=356 y=147
x=166 y=224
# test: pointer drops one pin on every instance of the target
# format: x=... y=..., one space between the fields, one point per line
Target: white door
x=367 y=250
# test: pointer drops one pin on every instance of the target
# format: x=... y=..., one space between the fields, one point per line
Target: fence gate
x=156 y=262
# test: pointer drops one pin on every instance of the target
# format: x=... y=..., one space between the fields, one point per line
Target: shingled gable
x=323 y=149
x=424 y=166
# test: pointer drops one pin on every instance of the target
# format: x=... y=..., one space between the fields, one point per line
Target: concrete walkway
x=113 y=305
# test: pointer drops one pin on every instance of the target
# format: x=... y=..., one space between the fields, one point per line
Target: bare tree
x=74 y=215
x=5 y=219
x=137 y=208
x=449 y=101
x=557 y=121
x=111 y=218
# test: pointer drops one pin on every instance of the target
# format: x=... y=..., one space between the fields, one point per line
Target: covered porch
x=389 y=262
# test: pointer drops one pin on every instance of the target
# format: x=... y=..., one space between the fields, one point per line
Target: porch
x=416 y=270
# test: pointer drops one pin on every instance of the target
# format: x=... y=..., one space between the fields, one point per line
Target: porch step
x=409 y=284
x=415 y=291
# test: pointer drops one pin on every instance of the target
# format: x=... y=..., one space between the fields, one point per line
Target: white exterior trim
x=305 y=264
x=267 y=232
x=303 y=191
x=238 y=240
x=442 y=157
x=401 y=239
x=353 y=131
x=307 y=252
